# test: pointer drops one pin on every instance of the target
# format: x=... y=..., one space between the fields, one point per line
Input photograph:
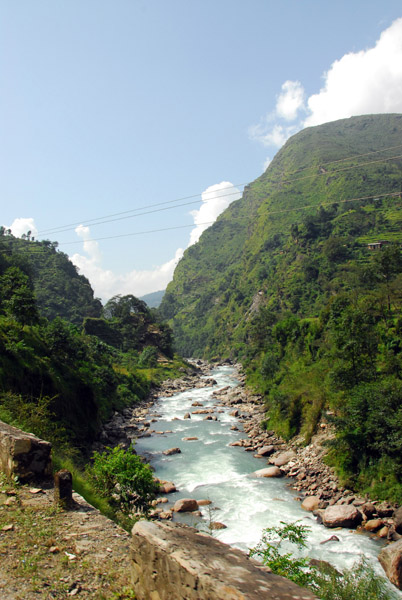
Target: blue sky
x=109 y=107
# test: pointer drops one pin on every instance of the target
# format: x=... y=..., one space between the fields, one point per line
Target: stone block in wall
x=23 y=454
x=171 y=561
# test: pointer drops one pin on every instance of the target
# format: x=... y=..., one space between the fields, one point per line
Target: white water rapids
x=211 y=469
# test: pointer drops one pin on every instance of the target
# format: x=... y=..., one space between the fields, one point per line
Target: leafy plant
x=284 y=564
x=121 y=474
x=360 y=582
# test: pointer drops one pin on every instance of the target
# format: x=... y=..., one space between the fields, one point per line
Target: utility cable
x=92 y=222
x=268 y=213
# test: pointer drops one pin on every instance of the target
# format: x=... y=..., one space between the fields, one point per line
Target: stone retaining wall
x=23 y=455
x=174 y=562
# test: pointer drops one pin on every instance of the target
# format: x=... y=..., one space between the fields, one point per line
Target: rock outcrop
x=24 y=455
x=173 y=561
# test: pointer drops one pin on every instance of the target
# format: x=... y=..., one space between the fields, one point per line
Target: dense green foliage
x=121 y=474
x=57 y=378
x=58 y=288
x=285 y=281
x=360 y=582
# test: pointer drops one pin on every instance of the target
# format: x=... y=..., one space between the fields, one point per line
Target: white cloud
x=216 y=198
x=267 y=162
x=369 y=81
x=274 y=135
x=290 y=101
x=22 y=225
x=107 y=284
x=364 y=82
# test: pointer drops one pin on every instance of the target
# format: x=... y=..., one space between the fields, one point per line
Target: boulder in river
x=171 y=451
x=283 y=458
x=345 y=515
x=373 y=524
x=167 y=487
x=390 y=558
x=266 y=450
x=310 y=503
x=217 y=525
x=269 y=472
x=185 y=505
x=187 y=416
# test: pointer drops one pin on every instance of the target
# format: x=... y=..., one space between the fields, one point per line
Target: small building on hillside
x=378 y=245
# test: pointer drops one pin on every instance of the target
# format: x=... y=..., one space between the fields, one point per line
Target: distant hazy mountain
x=153 y=299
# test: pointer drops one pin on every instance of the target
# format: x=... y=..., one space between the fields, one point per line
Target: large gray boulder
x=341 y=515
x=390 y=558
x=171 y=561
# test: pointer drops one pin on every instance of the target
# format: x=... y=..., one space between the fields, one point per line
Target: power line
x=155 y=210
x=148 y=212
x=109 y=218
x=344 y=169
x=332 y=162
x=92 y=221
x=268 y=213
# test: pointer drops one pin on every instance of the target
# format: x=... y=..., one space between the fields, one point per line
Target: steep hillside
x=289 y=282
x=260 y=251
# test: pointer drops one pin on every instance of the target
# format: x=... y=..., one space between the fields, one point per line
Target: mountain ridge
x=232 y=254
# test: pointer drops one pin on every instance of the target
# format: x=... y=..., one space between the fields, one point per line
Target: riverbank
x=316 y=482
x=187 y=432
x=309 y=474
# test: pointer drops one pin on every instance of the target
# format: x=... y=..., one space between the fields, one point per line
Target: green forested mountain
x=288 y=281
x=59 y=289
x=66 y=362
x=296 y=227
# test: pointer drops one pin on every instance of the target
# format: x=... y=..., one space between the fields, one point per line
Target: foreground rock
x=390 y=558
x=172 y=561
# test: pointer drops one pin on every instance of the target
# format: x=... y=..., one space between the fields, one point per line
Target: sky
x=128 y=126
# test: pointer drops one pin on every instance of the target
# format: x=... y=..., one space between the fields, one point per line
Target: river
x=209 y=468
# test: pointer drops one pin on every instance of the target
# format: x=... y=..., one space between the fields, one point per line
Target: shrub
x=121 y=474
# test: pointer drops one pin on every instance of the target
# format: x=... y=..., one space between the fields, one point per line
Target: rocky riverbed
x=319 y=490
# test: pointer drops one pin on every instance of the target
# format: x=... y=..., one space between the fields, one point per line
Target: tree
x=16 y=296
x=124 y=307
